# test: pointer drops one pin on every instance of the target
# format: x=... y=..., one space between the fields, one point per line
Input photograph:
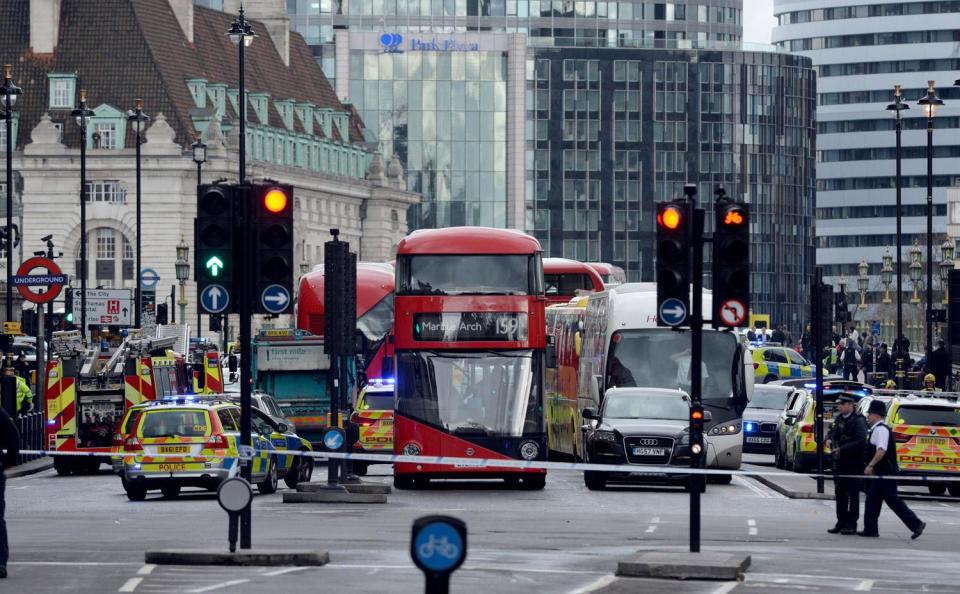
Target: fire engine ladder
x=135 y=346
x=68 y=346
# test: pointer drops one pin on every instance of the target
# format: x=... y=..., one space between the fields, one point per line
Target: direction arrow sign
x=214 y=265
x=673 y=312
x=215 y=299
x=275 y=299
x=733 y=314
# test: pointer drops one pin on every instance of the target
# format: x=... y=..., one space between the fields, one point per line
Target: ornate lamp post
x=896 y=107
x=929 y=104
x=199 y=155
x=183 y=274
x=946 y=264
x=863 y=281
x=886 y=274
x=136 y=117
x=916 y=269
x=242 y=35
x=10 y=92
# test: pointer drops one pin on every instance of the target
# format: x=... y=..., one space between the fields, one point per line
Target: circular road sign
x=234 y=494
x=275 y=299
x=215 y=299
x=333 y=439
x=673 y=312
x=54 y=279
x=438 y=544
x=733 y=313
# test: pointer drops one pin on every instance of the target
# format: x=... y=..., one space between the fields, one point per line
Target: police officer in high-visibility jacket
x=847 y=440
x=881 y=457
x=24 y=396
x=930 y=383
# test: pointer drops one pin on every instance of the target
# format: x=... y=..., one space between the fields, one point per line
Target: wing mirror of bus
x=232 y=363
x=589 y=413
x=551 y=356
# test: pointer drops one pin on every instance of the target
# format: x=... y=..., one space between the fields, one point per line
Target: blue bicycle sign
x=439 y=544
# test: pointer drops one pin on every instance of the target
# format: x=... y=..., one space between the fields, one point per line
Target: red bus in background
x=470 y=342
x=374 y=311
x=610 y=274
x=563 y=278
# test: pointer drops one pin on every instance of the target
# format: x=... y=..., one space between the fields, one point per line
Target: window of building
x=106 y=244
x=106 y=191
x=62 y=90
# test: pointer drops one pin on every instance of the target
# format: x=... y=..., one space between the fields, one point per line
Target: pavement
x=81 y=535
x=31 y=467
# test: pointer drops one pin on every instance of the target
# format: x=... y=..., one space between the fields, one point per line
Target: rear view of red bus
x=565 y=279
x=470 y=346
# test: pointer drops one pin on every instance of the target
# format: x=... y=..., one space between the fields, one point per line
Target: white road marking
x=517 y=569
x=130 y=585
x=146 y=569
x=761 y=491
x=285 y=570
x=218 y=586
x=752 y=530
x=725 y=588
x=77 y=563
x=653 y=525
x=864 y=586
x=594 y=585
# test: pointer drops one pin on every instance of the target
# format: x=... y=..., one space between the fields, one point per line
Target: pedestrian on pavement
x=851 y=360
x=939 y=364
x=778 y=336
x=854 y=334
x=847 y=440
x=882 y=363
x=831 y=359
x=867 y=360
x=881 y=457
x=10 y=442
x=806 y=342
x=22 y=368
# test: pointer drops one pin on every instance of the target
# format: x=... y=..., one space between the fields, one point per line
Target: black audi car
x=647 y=426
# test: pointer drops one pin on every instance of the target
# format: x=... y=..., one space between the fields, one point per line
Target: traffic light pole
x=245 y=312
x=696 y=356
x=819 y=342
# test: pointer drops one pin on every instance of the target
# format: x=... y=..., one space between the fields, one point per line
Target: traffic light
x=825 y=318
x=273 y=248
x=216 y=324
x=731 y=264
x=340 y=298
x=696 y=430
x=214 y=261
x=674 y=223
x=68 y=309
x=842 y=310
x=161 y=314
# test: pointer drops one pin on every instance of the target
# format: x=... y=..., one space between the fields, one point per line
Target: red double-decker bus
x=565 y=279
x=470 y=340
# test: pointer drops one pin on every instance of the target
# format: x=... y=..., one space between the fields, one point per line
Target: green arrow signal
x=214 y=265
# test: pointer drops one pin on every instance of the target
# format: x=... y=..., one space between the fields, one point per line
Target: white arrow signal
x=215 y=293
x=675 y=311
x=280 y=298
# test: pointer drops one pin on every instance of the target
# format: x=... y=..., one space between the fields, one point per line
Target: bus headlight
x=529 y=450
x=725 y=429
x=411 y=449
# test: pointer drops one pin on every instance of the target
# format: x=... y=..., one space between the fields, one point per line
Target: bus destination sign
x=470 y=326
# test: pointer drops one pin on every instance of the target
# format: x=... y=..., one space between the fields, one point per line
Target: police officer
x=930 y=383
x=10 y=442
x=24 y=396
x=847 y=439
x=881 y=458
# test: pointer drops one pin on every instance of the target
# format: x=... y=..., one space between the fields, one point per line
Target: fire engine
x=88 y=392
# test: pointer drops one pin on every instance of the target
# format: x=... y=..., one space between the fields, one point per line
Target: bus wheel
x=63 y=466
x=403 y=482
x=533 y=482
x=937 y=489
x=170 y=491
x=595 y=481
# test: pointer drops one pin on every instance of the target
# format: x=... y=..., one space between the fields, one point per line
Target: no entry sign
x=27 y=277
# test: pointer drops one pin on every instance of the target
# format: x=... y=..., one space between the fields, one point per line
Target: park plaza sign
x=393 y=43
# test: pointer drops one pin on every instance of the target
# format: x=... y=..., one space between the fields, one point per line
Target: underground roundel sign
x=31 y=276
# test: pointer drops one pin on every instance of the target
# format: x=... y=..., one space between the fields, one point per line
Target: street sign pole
x=245 y=314
x=696 y=356
x=819 y=345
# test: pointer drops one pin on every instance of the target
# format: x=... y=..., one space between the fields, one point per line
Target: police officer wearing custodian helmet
x=881 y=457
x=847 y=440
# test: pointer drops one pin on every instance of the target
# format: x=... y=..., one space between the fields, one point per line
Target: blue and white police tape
x=512 y=464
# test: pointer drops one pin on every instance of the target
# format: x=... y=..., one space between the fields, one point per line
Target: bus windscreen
x=465 y=275
x=651 y=358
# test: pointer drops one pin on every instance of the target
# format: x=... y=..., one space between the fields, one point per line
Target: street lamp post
x=10 y=93
x=929 y=104
x=199 y=156
x=946 y=265
x=242 y=35
x=138 y=119
x=896 y=107
x=916 y=269
x=886 y=274
x=183 y=274
x=82 y=115
x=863 y=281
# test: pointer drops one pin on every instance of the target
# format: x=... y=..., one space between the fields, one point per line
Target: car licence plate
x=932 y=441
x=649 y=452
x=180 y=449
x=759 y=440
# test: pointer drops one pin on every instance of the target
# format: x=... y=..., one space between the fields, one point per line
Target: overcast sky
x=757 y=20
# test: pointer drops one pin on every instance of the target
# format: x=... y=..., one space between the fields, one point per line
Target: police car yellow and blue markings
x=763 y=368
x=375 y=425
x=925 y=448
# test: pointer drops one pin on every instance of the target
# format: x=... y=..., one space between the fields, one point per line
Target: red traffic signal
x=670 y=217
x=734 y=216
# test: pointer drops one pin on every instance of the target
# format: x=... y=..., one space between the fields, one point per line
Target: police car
x=798 y=451
x=195 y=442
x=773 y=363
x=927 y=432
x=373 y=419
